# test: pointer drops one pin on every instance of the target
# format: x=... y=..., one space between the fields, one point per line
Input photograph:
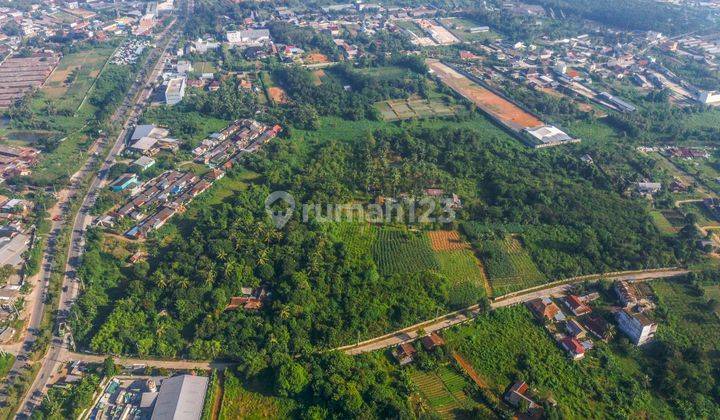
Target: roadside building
x=124 y=182
x=404 y=353
x=573 y=347
x=545 y=309
x=431 y=341
x=180 y=398
x=576 y=305
x=598 y=327
x=626 y=293
x=638 y=327
x=175 y=90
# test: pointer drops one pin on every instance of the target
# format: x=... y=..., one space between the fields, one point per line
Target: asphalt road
x=131 y=106
x=464 y=315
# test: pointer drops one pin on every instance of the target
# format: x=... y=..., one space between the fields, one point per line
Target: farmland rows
x=509 y=267
x=443 y=390
x=397 y=251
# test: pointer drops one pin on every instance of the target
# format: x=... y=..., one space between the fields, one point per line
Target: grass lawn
x=662 y=223
x=239 y=402
x=460 y=27
x=398 y=251
x=403 y=109
x=509 y=266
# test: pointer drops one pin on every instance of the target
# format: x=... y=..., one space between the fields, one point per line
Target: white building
x=175 y=90
x=249 y=37
x=709 y=97
x=638 y=327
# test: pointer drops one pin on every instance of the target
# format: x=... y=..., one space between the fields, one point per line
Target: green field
x=204 y=67
x=74 y=75
x=6 y=362
x=240 y=403
x=509 y=266
x=460 y=27
x=443 y=389
x=662 y=223
x=357 y=237
x=403 y=109
x=463 y=270
x=704 y=218
x=398 y=251
x=689 y=321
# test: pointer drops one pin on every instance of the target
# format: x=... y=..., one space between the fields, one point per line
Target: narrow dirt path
x=467 y=367
x=217 y=404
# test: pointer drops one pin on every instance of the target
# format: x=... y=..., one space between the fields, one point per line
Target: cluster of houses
x=149 y=139
x=242 y=136
x=160 y=198
x=573 y=330
x=17 y=161
x=404 y=353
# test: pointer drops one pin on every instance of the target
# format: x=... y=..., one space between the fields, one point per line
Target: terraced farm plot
x=397 y=251
x=674 y=217
x=443 y=390
x=509 y=266
x=403 y=109
x=662 y=223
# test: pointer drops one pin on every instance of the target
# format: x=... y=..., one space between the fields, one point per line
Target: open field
x=73 y=76
x=446 y=240
x=204 y=67
x=239 y=402
x=443 y=390
x=674 y=217
x=398 y=251
x=403 y=109
x=464 y=271
x=501 y=109
x=704 y=218
x=662 y=223
x=460 y=27
x=509 y=266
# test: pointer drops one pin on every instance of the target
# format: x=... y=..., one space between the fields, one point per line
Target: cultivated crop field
x=358 y=237
x=443 y=389
x=403 y=109
x=398 y=251
x=713 y=292
x=463 y=268
x=446 y=240
x=509 y=266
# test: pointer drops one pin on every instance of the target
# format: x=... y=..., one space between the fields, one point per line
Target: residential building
x=124 y=182
x=573 y=347
x=144 y=162
x=575 y=329
x=148 y=130
x=545 y=308
x=518 y=394
x=598 y=327
x=431 y=341
x=626 y=293
x=175 y=90
x=404 y=353
x=648 y=187
x=576 y=305
x=180 y=398
x=638 y=327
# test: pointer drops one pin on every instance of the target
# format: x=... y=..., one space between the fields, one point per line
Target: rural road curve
x=463 y=315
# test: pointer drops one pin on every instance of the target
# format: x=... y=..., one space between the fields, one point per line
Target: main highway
x=128 y=113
